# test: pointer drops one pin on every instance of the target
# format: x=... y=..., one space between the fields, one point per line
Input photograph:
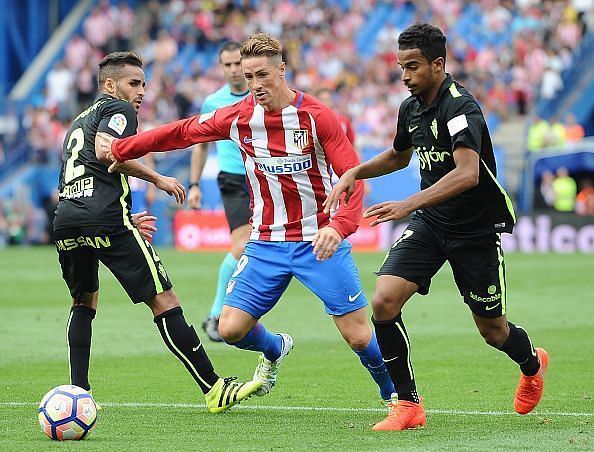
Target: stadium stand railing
x=578 y=158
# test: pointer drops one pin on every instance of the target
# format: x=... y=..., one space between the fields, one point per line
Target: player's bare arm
x=172 y=187
x=463 y=177
x=326 y=242
x=169 y=185
x=199 y=157
x=384 y=163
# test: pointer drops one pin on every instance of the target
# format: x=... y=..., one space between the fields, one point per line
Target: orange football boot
x=404 y=415
x=530 y=389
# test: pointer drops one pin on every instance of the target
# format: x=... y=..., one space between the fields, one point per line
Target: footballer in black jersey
x=456 y=218
x=89 y=195
x=93 y=224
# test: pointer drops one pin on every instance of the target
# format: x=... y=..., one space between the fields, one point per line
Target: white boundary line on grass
x=308 y=408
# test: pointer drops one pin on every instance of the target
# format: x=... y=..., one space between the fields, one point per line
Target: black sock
x=79 y=332
x=519 y=348
x=395 y=347
x=184 y=343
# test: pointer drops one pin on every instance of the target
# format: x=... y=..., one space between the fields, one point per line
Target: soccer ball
x=67 y=412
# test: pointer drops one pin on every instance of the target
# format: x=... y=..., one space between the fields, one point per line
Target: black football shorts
x=236 y=199
x=131 y=259
x=477 y=264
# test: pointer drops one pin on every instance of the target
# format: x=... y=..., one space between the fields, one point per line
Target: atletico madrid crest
x=300 y=138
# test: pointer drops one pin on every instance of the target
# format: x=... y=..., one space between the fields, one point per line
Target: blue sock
x=225 y=271
x=259 y=339
x=371 y=358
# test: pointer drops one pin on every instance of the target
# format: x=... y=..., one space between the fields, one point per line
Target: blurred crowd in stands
x=527 y=45
x=553 y=133
x=22 y=223
x=533 y=43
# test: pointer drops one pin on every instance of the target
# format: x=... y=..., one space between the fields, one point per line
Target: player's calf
x=183 y=342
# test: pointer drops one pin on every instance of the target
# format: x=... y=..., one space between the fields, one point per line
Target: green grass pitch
x=324 y=398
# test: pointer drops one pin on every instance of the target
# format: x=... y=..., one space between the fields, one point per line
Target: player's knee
x=230 y=332
x=230 y=336
x=385 y=306
x=87 y=299
x=163 y=302
x=358 y=341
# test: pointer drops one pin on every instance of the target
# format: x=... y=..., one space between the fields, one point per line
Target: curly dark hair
x=428 y=39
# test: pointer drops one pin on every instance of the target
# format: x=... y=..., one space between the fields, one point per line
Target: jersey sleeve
x=118 y=119
x=402 y=140
x=342 y=157
x=465 y=124
x=181 y=134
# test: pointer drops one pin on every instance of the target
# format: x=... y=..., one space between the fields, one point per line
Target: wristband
x=193 y=184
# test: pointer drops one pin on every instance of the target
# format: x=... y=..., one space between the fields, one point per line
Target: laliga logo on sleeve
x=118 y=123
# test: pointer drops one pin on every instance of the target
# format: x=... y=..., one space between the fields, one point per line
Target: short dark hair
x=428 y=39
x=229 y=46
x=111 y=65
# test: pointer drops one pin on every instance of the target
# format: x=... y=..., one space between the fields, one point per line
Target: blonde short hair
x=261 y=44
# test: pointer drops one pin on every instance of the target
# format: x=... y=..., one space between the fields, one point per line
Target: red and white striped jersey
x=287 y=156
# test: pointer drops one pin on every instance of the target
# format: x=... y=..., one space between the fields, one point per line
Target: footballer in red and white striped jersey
x=287 y=155
x=289 y=141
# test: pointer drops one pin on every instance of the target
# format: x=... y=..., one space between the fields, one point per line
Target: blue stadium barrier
x=578 y=159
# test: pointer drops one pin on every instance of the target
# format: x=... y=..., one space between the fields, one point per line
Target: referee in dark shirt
x=456 y=217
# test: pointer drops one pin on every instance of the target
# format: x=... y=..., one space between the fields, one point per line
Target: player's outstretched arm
x=384 y=163
x=169 y=185
x=346 y=184
x=463 y=177
x=179 y=134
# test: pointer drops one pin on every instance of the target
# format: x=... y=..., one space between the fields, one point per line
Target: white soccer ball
x=67 y=412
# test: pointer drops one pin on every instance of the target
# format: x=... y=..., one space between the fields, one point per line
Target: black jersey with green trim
x=434 y=132
x=88 y=194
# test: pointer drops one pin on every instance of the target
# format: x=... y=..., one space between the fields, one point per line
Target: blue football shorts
x=265 y=269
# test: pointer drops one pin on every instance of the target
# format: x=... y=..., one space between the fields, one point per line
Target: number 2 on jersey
x=72 y=172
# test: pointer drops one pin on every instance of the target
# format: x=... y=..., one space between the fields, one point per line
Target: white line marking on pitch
x=310 y=408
